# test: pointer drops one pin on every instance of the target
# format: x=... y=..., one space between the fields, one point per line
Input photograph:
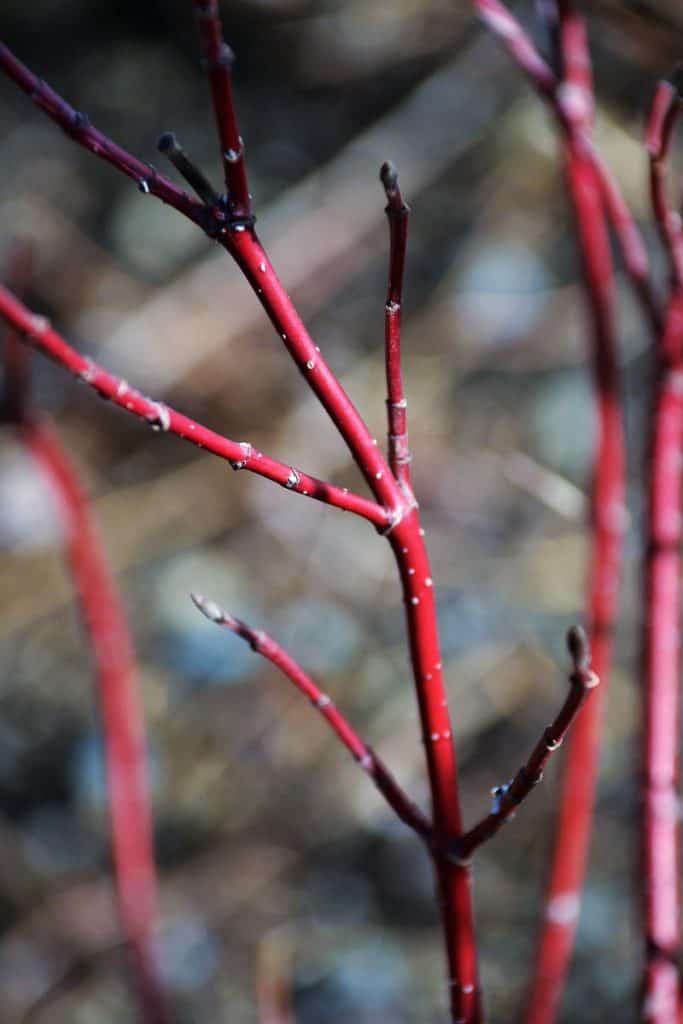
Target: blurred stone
x=29 y=515
x=562 y=420
x=501 y=291
x=322 y=635
x=56 y=844
x=364 y=983
x=189 y=954
x=199 y=651
x=148 y=237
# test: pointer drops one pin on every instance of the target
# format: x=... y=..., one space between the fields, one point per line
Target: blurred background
x=276 y=856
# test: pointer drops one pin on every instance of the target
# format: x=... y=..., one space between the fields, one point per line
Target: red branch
x=662 y=631
x=397 y=214
x=572 y=833
x=507 y=798
x=385 y=782
x=594 y=195
x=218 y=59
x=241 y=455
x=520 y=47
x=122 y=717
x=661 y=691
x=664 y=113
x=78 y=127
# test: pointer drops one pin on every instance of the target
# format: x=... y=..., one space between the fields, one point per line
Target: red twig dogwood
x=597 y=204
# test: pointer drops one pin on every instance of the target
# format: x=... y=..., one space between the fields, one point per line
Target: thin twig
x=664 y=112
x=159 y=416
x=78 y=127
x=507 y=798
x=397 y=214
x=171 y=148
x=264 y=645
x=218 y=59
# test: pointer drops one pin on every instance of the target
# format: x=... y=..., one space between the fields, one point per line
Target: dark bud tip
x=167 y=143
x=388 y=175
x=578 y=647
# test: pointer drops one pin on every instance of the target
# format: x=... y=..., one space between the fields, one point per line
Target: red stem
x=263 y=644
x=406 y=538
x=507 y=798
x=219 y=58
x=520 y=47
x=241 y=455
x=664 y=113
x=107 y=631
x=77 y=126
x=397 y=214
x=662 y=637
x=572 y=833
x=661 y=692
x=122 y=717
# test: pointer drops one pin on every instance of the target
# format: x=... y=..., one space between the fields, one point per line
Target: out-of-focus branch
x=241 y=455
x=595 y=198
x=661 y=1000
x=562 y=102
x=507 y=798
x=664 y=112
x=661 y=683
x=121 y=708
x=264 y=645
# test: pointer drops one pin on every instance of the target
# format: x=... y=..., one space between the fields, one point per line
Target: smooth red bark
x=122 y=720
x=541 y=77
x=109 y=639
x=218 y=59
x=661 y=682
